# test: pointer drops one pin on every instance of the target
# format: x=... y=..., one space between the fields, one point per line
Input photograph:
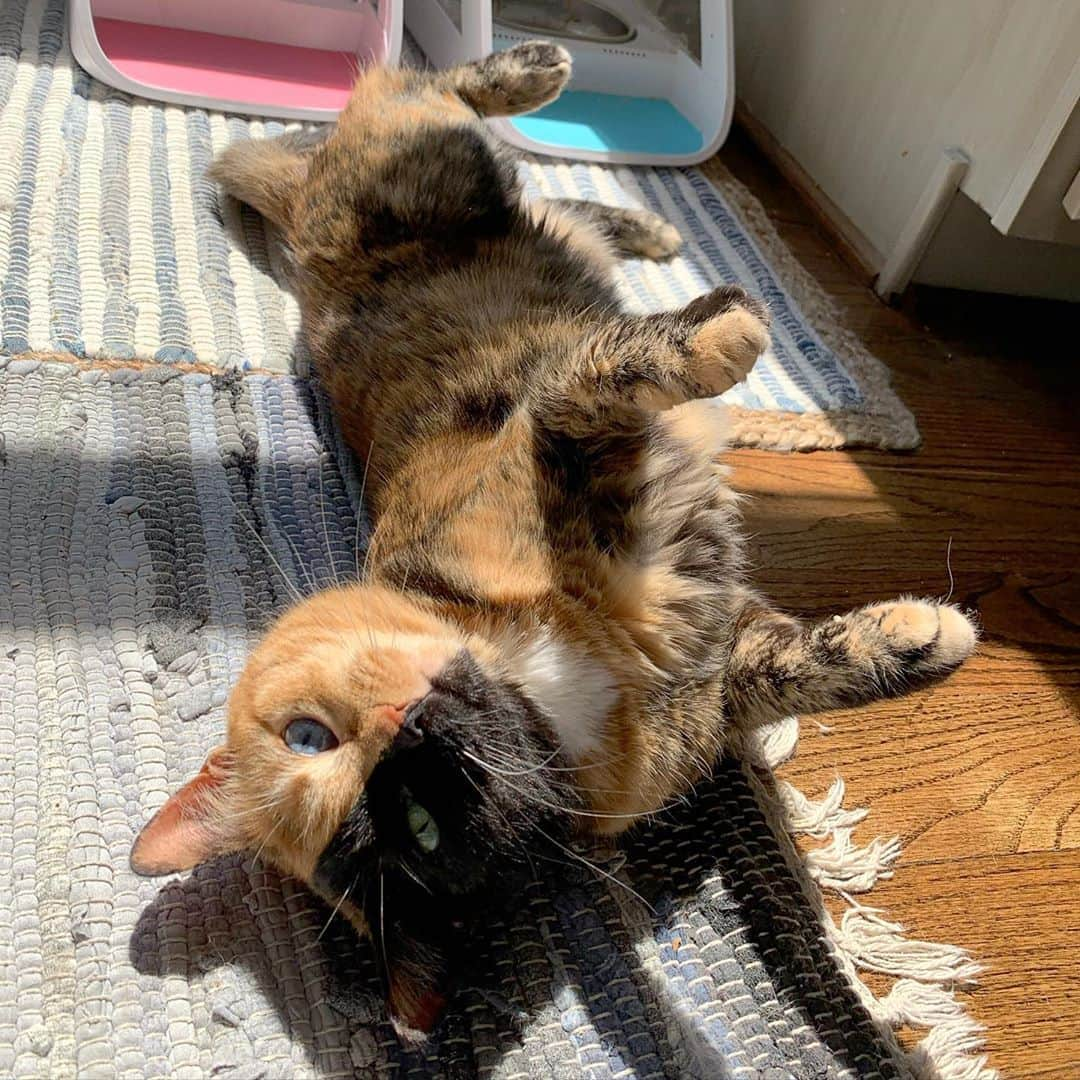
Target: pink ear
x=187 y=830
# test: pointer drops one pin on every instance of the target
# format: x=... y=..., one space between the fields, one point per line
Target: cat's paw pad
x=528 y=75
x=733 y=331
x=928 y=637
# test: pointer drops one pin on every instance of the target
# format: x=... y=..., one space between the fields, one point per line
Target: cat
x=555 y=633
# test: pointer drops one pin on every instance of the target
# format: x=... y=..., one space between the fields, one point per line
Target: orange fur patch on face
x=351 y=659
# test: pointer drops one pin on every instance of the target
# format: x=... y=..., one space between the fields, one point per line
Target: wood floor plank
x=1022 y=920
x=979 y=774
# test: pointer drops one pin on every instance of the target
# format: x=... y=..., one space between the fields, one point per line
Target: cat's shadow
x=321 y=980
x=697 y=900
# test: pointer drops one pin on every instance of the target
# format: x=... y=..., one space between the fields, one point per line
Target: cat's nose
x=411 y=732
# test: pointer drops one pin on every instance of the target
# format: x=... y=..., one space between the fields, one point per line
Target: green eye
x=422 y=825
x=307 y=736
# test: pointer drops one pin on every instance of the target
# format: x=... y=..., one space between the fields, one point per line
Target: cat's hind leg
x=780 y=666
x=511 y=82
x=637 y=233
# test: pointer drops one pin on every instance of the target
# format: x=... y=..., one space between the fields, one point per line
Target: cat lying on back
x=555 y=631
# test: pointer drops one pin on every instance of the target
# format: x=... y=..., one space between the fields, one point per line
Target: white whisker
x=289 y=583
x=603 y=873
x=325 y=527
x=361 y=514
x=568 y=809
x=337 y=907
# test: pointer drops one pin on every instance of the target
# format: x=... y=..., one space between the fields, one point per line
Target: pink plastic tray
x=228 y=69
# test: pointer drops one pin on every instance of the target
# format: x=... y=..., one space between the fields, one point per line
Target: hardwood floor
x=980 y=774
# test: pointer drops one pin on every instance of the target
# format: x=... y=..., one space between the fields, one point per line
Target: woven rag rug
x=152 y=520
x=114 y=245
x=138 y=505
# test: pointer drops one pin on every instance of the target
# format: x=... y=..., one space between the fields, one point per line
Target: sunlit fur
x=556 y=567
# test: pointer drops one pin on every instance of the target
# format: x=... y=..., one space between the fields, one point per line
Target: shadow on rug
x=698 y=956
x=155 y=521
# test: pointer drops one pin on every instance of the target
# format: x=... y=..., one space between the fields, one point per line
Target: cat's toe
x=957 y=638
x=538 y=54
x=534 y=72
x=727 y=346
x=660 y=240
x=929 y=637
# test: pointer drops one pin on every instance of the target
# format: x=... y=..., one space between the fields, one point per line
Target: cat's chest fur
x=576 y=691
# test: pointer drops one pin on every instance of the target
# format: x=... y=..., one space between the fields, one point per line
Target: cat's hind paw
x=517 y=80
x=732 y=332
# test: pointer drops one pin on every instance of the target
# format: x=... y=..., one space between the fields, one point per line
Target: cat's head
x=379 y=754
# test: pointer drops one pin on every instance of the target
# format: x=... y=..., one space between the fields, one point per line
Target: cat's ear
x=414 y=1006
x=414 y=976
x=193 y=826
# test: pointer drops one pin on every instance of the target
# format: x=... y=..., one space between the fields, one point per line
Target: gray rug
x=130 y=591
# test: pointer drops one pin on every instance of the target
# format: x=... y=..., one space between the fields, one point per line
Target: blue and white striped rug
x=114 y=245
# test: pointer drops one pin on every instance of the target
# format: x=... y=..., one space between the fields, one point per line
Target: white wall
x=865 y=94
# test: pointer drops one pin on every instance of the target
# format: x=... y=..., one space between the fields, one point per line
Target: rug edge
x=780 y=431
x=953 y=1046
x=891 y=426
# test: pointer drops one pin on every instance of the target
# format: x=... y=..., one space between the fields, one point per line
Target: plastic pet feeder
x=653 y=79
x=294 y=59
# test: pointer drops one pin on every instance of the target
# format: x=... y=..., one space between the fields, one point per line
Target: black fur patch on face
x=482 y=762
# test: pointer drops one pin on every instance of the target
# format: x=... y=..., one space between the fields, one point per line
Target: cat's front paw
x=643 y=233
x=927 y=637
x=733 y=332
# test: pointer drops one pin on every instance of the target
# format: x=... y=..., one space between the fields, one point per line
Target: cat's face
x=376 y=753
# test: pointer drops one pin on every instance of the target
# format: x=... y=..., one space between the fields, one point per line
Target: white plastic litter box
x=653 y=80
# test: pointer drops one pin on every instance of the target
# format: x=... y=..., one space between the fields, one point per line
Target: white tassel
x=842 y=866
x=917 y=1004
x=924 y=970
x=770 y=745
x=952 y=1050
x=817 y=819
x=876 y=944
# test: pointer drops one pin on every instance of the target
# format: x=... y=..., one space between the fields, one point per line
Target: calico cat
x=554 y=633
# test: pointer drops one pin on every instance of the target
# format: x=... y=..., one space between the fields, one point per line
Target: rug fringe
x=926 y=972
x=841 y=865
x=817 y=819
x=879 y=945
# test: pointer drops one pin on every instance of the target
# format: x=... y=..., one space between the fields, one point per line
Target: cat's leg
x=267 y=174
x=780 y=666
x=630 y=232
x=515 y=81
x=633 y=365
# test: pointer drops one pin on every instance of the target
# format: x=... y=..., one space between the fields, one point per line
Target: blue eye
x=307 y=736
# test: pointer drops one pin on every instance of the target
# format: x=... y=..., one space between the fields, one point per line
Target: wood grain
x=1021 y=918
x=980 y=774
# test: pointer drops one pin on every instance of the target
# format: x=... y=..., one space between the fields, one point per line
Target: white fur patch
x=572 y=688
